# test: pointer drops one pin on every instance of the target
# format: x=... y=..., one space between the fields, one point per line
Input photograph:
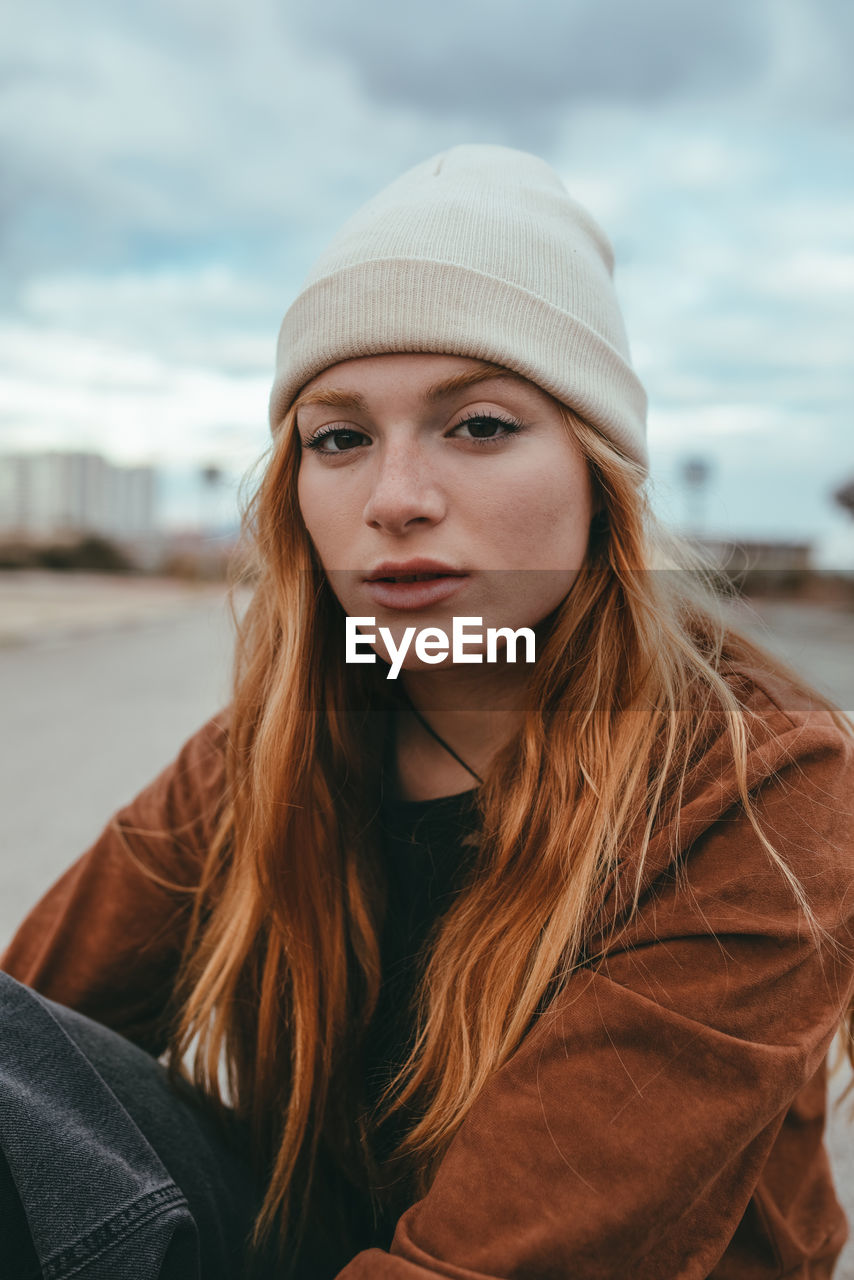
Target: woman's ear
x=599 y=507
x=599 y=512
x=599 y=521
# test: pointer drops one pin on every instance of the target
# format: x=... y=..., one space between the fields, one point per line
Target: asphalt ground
x=102 y=680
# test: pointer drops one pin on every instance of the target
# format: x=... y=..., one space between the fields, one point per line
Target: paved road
x=89 y=718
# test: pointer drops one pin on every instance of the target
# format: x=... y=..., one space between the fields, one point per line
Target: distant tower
x=212 y=479
x=844 y=497
x=695 y=475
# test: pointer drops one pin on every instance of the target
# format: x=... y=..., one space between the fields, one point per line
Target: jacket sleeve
x=629 y=1131
x=106 y=939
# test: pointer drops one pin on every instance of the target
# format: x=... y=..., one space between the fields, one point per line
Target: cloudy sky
x=171 y=169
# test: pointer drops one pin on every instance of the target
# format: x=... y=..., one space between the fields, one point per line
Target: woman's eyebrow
x=334 y=399
x=468 y=378
x=331 y=398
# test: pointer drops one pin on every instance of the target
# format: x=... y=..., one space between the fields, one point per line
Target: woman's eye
x=482 y=428
x=335 y=440
x=486 y=427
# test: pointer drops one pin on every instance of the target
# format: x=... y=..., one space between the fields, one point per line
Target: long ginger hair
x=281 y=971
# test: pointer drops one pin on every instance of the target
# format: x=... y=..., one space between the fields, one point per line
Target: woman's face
x=433 y=465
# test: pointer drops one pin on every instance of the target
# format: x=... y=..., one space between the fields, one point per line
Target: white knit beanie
x=477 y=252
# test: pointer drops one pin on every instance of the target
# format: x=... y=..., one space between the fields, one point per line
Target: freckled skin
x=409 y=479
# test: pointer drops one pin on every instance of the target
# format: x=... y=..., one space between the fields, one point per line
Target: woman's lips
x=415 y=595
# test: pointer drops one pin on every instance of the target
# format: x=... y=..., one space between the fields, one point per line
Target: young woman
x=464 y=964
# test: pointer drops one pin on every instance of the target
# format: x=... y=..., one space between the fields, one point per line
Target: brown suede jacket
x=664 y=1118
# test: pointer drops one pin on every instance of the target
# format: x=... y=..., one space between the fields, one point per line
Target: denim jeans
x=106 y=1172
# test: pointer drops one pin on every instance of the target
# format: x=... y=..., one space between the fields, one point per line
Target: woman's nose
x=404 y=491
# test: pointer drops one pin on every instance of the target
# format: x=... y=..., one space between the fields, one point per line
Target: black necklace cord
x=425 y=724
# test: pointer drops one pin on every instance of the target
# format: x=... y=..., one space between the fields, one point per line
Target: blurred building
x=50 y=495
x=760 y=566
x=754 y=553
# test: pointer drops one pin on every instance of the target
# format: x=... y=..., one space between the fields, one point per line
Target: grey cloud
x=495 y=59
x=821 y=45
x=166 y=132
x=181 y=130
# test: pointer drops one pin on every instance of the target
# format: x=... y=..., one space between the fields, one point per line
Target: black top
x=425 y=861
